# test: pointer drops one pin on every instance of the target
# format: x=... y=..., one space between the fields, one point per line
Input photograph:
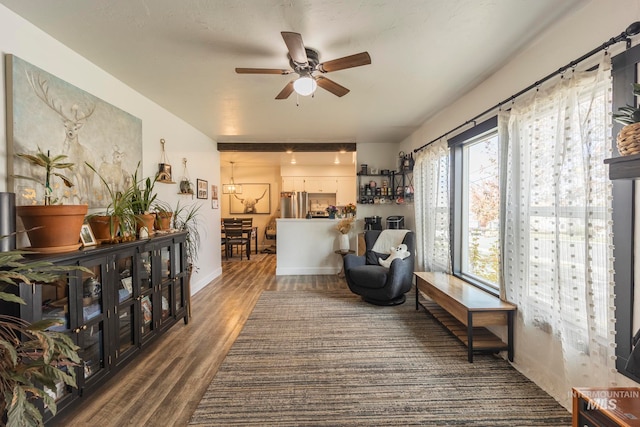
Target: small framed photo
x=86 y=235
x=127 y=283
x=202 y=187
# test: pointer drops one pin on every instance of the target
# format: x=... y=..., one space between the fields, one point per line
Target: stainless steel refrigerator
x=294 y=204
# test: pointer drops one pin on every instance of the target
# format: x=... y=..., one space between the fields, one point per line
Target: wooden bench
x=466 y=310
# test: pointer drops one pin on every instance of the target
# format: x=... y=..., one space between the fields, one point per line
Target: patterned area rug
x=327 y=358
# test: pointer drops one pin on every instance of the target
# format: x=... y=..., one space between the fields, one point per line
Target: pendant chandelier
x=232 y=188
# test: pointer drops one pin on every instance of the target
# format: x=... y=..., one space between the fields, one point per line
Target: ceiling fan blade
x=262 y=71
x=286 y=91
x=331 y=86
x=295 y=46
x=350 y=61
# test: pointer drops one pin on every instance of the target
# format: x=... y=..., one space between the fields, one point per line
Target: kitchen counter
x=307 y=246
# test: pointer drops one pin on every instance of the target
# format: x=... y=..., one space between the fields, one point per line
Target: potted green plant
x=142 y=201
x=51 y=227
x=187 y=218
x=164 y=214
x=118 y=222
x=31 y=356
x=628 y=139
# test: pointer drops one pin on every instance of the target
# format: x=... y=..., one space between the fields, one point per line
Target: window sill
x=624 y=167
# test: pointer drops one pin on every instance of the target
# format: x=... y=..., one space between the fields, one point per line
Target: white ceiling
x=182 y=55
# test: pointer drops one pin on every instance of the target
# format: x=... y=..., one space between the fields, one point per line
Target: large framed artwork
x=255 y=199
x=47 y=112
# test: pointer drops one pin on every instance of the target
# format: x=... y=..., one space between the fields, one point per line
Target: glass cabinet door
x=165 y=264
x=180 y=270
x=92 y=349
x=125 y=307
x=90 y=326
x=146 y=318
x=145 y=269
x=54 y=305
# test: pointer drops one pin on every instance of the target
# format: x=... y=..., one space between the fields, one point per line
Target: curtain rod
x=631 y=30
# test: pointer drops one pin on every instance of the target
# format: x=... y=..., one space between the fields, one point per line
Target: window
x=476 y=210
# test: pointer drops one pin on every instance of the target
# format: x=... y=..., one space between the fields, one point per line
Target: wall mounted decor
x=202 y=187
x=164 y=168
x=47 y=112
x=255 y=199
x=214 y=197
x=186 y=186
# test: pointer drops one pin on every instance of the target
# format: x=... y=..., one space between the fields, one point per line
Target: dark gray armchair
x=375 y=283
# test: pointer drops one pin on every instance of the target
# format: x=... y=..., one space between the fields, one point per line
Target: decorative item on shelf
x=406 y=161
x=51 y=227
x=232 y=188
x=331 y=209
x=186 y=186
x=86 y=235
x=164 y=168
x=628 y=140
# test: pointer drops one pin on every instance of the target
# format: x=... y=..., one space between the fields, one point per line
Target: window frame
x=456 y=147
x=623 y=72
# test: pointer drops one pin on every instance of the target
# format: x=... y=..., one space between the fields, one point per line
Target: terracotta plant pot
x=145 y=220
x=102 y=227
x=163 y=220
x=53 y=228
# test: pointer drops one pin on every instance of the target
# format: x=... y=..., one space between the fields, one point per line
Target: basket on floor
x=628 y=140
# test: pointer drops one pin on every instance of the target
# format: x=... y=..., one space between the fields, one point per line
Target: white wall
x=24 y=40
x=586 y=28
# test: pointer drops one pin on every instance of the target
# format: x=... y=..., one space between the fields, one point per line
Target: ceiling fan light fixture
x=305 y=85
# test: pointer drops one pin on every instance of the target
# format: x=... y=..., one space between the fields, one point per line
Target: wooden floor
x=163 y=386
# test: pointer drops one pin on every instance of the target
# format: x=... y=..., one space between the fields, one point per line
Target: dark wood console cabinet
x=138 y=290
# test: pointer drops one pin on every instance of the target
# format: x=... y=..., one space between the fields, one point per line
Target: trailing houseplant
x=51 y=227
x=31 y=357
x=187 y=218
x=628 y=139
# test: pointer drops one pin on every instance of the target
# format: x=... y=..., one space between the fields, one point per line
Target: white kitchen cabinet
x=320 y=184
x=346 y=192
x=292 y=183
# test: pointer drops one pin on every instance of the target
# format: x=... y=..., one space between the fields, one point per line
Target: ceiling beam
x=296 y=147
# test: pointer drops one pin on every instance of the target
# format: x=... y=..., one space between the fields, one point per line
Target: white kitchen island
x=307 y=246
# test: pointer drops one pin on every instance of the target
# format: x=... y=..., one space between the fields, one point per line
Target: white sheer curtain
x=431 y=178
x=556 y=222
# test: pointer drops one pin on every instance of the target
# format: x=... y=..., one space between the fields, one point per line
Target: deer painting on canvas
x=47 y=112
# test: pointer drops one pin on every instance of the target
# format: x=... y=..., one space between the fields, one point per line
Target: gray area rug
x=327 y=358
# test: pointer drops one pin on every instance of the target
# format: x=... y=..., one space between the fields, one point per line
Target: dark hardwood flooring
x=163 y=386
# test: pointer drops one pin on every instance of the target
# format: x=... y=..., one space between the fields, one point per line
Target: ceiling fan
x=305 y=63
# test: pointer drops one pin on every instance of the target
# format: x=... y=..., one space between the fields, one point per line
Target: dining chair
x=234 y=236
